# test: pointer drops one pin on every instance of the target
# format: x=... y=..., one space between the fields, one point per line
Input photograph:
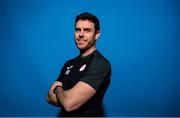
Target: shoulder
x=99 y=58
x=71 y=60
x=100 y=61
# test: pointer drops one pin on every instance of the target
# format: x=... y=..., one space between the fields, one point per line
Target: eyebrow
x=85 y=29
x=77 y=28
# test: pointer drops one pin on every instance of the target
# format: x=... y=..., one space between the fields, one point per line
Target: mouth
x=81 y=41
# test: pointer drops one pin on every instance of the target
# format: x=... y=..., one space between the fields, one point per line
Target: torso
x=76 y=70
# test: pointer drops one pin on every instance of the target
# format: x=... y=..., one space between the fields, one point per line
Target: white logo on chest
x=68 y=70
x=82 y=67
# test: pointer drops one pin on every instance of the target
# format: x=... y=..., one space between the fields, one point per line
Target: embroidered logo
x=82 y=67
x=68 y=70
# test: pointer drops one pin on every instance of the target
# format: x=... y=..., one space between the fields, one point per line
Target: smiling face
x=85 y=35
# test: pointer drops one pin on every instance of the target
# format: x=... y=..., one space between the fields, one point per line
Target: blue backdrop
x=139 y=37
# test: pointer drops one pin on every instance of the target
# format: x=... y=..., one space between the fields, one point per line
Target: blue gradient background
x=139 y=37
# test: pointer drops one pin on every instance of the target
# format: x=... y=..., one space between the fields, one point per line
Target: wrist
x=56 y=89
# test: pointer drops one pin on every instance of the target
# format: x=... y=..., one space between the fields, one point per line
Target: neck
x=84 y=53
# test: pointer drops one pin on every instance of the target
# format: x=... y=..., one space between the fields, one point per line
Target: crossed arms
x=70 y=99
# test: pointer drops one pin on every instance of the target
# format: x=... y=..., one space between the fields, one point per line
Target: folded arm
x=75 y=97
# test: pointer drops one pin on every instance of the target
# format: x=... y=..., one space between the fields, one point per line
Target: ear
x=97 y=35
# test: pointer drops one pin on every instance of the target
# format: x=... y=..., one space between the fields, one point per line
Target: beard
x=86 y=46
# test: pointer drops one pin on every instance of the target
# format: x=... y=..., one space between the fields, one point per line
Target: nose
x=81 y=34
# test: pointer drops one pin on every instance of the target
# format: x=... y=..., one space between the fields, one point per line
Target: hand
x=53 y=86
x=51 y=98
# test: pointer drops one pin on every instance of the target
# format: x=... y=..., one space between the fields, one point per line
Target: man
x=83 y=81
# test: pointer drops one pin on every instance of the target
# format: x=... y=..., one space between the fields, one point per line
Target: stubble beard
x=87 y=47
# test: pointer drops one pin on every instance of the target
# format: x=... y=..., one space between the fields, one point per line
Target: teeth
x=81 y=41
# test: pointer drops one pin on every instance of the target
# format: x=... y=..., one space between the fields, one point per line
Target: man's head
x=87 y=30
x=90 y=17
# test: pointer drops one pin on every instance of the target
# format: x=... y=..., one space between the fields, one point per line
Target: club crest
x=82 y=67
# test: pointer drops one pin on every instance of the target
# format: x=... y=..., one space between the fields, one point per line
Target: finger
x=59 y=83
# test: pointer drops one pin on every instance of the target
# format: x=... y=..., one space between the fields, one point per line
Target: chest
x=73 y=72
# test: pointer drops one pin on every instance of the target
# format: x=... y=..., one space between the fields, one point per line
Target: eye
x=77 y=29
x=87 y=30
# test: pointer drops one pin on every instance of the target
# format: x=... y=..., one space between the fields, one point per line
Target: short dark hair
x=90 y=17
